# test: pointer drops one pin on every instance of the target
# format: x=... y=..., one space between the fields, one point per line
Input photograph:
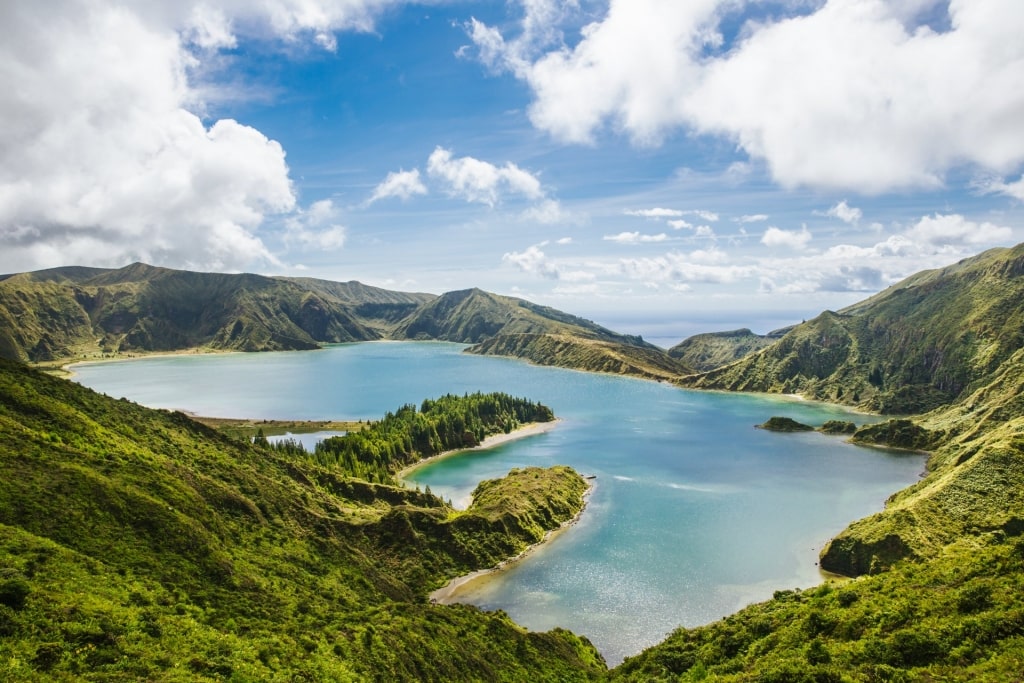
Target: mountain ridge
x=75 y=312
x=916 y=346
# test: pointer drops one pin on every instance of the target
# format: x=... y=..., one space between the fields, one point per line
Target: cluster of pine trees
x=408 y=435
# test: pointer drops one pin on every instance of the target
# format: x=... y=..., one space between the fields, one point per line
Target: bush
x=14 y=592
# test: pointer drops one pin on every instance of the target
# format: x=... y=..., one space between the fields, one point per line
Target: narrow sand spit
x=448 y=593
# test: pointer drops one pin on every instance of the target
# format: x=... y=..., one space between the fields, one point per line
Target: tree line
x=408 y=434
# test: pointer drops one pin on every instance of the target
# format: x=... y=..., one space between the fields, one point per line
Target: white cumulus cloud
x=789 y=239
x=635 y=238
x=104 y=158
x=317 y=227
x=547 y=212
x=400 y=184
x=845 y=212
x=481 y=181
x=955 y=230
x=854 y=94
x=709 y=216
x=1013 y=189
x=681 y=268
x=533 y=260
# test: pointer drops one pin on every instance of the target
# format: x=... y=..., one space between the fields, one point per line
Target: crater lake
x=694 y=512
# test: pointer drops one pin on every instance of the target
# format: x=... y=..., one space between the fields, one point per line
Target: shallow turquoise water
x=695 y=513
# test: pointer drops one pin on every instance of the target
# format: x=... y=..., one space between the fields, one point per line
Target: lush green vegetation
x=137 y=544
x=473 y=315
x=838 y=427
x=922 y=344
x=711 y=350
x=75 y=313
x=407 y=435
x=959 y=617
x=784 y=424
x=592 y=355
x=141 y=545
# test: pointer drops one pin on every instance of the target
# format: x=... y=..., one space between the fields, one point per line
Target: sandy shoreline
x=448 y=594
x=69 y=366
x=530 y=429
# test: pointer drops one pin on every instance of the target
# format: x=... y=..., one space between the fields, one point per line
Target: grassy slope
x=941 y=601
x=704 y=352
x=505 y=326
x=919 y=345
x=473 y=315
x=592 y=355
x=138 y=544
x=72 y=312
x=86 y=312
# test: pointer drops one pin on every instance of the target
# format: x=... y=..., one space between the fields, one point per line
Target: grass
x=138 y=544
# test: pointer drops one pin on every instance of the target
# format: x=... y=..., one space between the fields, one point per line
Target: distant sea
x=695 y=512
x=666 y=330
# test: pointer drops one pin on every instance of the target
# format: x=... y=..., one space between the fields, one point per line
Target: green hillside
x=506 y=326
x=140 y=545
x=919 y=345
x=73 y=313
x=704 y=352
x=471 y=316
x=579 y=353
x=137 y=544
x=69 y=312
x=941 y=568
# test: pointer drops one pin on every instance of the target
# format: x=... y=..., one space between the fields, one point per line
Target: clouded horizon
x=635 y=161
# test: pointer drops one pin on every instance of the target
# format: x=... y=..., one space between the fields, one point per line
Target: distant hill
x=65 y=312
x=506 y=326
x=79 y=312
x=581 y=353
x=711 y=350
x=472 y=315
x=920 y=344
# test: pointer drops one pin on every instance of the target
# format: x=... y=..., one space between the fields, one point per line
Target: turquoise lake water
x=695 y=513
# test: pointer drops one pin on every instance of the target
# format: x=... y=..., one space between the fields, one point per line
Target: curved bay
x=695 y=513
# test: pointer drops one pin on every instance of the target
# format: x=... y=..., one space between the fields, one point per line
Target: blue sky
x=661 y=167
